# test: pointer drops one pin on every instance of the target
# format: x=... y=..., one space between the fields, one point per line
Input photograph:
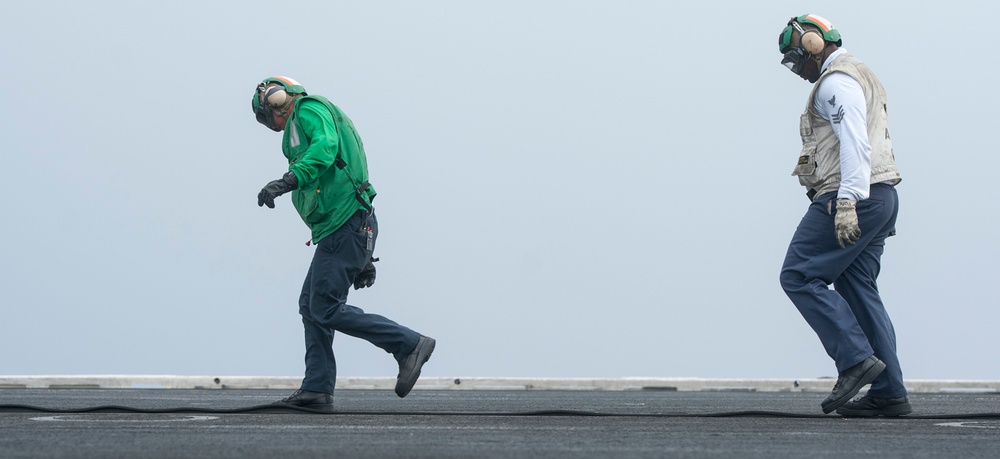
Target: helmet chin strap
x=819 y=58
x=288 y=105
x=283 y=112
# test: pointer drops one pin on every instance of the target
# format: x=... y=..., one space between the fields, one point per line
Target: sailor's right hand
x=275 y=188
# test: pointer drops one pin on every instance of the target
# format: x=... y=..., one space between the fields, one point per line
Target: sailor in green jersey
x=328 y=177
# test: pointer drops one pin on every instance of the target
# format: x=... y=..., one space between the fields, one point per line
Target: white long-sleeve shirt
x=841 y=101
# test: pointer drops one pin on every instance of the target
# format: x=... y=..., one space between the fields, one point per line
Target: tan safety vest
x=818 y=167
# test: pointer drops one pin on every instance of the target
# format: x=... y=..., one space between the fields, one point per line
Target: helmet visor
x=785 y=39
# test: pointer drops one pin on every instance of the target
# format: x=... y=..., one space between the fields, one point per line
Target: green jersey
x=327 y=157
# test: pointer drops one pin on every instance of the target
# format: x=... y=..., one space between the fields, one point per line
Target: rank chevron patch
x=839 y=116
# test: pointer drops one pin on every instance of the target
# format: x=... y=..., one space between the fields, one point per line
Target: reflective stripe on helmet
x=820 y=22
x=287 y=81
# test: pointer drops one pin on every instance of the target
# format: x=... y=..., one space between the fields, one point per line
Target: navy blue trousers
x=850 y=320
x=323 y=304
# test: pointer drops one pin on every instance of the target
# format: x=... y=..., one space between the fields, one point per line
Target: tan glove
x=846 y=222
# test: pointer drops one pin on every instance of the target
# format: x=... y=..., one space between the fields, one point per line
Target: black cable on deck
x=284 y=409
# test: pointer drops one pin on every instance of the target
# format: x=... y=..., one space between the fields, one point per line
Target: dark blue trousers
x=850 y=320
x=323 y=304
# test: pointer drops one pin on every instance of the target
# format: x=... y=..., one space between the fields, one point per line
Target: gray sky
x=566 y=189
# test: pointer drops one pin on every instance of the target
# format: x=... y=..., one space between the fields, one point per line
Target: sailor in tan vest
x=849 y=172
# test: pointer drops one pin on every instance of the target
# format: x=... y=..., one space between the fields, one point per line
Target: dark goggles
x=265 y=115
x=262 y=110
x=795 y=59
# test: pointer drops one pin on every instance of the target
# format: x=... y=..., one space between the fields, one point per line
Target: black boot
x=870 y=406
x=851 y=381
x=308 y=399
x=409 y=367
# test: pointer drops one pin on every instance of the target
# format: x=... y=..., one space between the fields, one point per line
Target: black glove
x=366 y=278
x=286 y=183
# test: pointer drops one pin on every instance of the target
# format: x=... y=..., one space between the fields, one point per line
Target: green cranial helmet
x=824 y=27
x=271 y=94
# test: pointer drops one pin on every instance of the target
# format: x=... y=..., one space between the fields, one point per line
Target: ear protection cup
x=813 y=42
x=275 y=96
